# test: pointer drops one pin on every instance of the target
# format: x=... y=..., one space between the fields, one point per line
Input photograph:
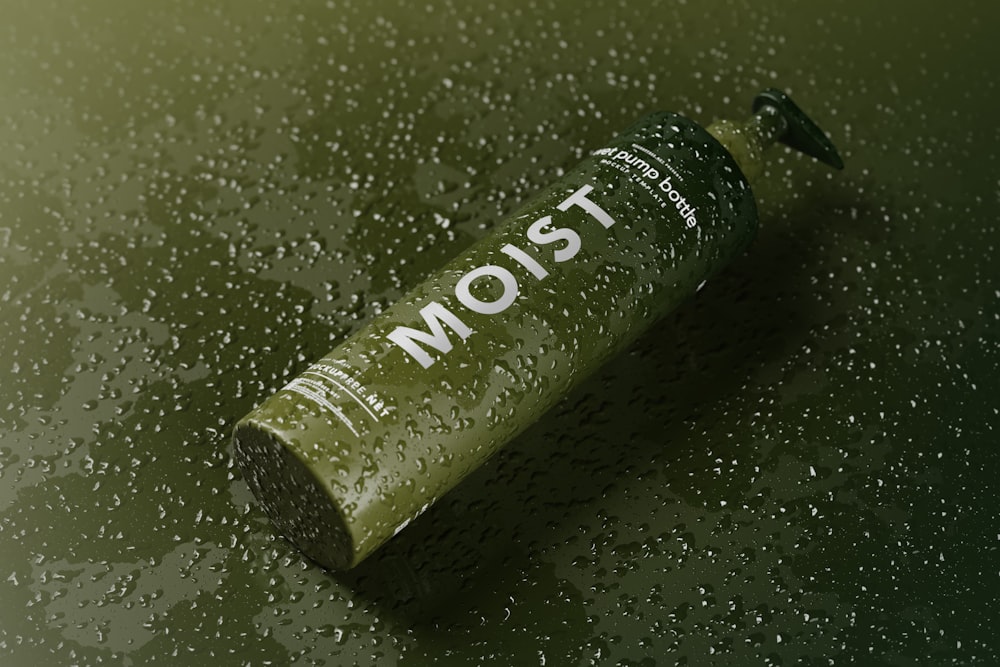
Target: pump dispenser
x=775 y=118
x=368 y=437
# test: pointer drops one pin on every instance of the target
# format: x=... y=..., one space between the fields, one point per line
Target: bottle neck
x=746 y=141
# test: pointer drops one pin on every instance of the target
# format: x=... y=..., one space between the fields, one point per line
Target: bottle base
x=292 y=497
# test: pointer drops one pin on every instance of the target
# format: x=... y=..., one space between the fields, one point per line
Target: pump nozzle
x=801 y=133
x=776 y=118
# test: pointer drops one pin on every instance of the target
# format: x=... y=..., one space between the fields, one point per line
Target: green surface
x=198 y=199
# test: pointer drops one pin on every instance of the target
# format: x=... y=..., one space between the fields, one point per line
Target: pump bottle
x=368 y=437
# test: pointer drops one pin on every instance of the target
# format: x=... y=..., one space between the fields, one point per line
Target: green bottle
x=368 y=437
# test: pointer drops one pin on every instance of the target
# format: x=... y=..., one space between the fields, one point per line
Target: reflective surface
x=198 y=201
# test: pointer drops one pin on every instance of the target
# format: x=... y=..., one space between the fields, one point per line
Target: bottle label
x=639 y=164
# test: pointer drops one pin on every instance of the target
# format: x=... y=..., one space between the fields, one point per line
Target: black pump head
x=801 y=133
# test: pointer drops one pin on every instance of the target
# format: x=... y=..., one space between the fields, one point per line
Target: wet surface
x=196 y=202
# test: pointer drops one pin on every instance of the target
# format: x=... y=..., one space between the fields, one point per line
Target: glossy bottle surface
x=368 y=437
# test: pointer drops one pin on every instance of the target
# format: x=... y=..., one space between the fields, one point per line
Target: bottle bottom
x=292 y=497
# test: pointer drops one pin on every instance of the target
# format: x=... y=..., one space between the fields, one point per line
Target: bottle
x=368 y=437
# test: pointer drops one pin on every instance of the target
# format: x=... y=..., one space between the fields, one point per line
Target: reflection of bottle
x=368 y=437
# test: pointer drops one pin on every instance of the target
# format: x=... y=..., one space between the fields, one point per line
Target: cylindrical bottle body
x=369 y=436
